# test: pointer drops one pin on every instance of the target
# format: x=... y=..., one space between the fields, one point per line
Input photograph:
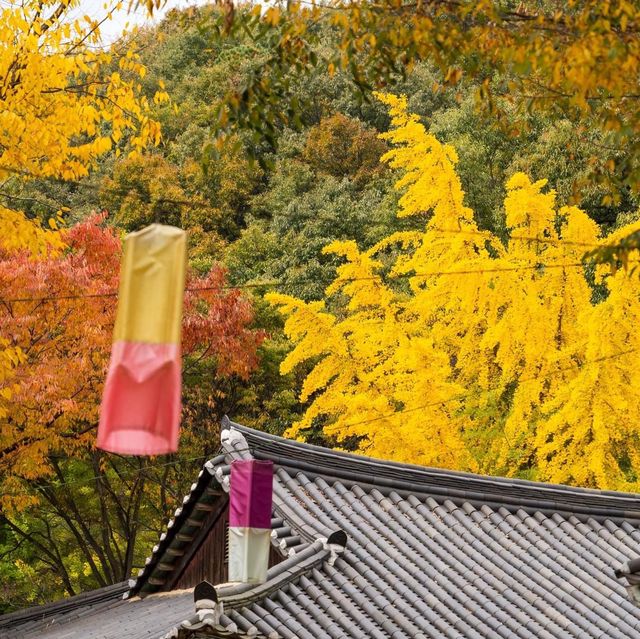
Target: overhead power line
x=273 y=283
x=128 y=474
x=532 y=239
x=463 y=396
x=404 y=411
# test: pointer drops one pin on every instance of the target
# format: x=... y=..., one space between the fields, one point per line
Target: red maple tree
x=60 y=311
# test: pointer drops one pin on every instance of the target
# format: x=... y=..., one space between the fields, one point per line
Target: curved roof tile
x=430 y=553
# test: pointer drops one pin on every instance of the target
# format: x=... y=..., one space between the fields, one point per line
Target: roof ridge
x=287 y=571
x=389 y=475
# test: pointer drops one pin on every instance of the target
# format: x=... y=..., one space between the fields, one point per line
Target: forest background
x=260 y=212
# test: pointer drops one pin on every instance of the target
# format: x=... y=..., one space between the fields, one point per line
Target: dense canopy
x=437 y=305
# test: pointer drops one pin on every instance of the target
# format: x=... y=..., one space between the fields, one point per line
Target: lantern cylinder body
x=140 y=412
x=249 y=555
x=250 y=506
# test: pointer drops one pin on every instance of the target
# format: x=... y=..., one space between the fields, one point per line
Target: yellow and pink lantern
x=141 y=403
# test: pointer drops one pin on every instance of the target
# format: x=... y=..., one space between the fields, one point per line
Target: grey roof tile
x=421 y=561
x=133 y=618
x=431 y=554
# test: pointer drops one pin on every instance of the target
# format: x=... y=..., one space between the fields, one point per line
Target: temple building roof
x=366 y=548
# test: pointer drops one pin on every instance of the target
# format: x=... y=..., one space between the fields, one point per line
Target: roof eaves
x=39 y=615
x=387 y=476
x=188 y=520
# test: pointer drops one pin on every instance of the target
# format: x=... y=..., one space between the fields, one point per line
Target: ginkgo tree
x=450 y=347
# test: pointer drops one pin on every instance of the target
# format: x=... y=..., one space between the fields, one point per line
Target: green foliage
x=298 y=216
x=143 y=190
x=43 y=554
x=343 y=147
x=316 y=180
x=576 y=61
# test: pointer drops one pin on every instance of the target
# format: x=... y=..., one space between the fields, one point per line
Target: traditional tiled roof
x=429 y=553
x=108 y=616
x=71 y=608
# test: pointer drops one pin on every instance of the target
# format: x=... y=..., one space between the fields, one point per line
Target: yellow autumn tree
x=65 y=100
x=591 y=436
x=455 y=349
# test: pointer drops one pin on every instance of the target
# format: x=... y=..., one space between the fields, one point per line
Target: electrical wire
x=403 y=411
x=537 y=240
x=537 y=266
x=272 y=283
x=480 y=233
x=133 y=473
x=463 y=396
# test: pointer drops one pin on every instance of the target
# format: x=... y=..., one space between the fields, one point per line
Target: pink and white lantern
x=250 y=506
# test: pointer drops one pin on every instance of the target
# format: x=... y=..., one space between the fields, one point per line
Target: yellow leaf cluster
x=9 y=358
x=461 y=350
x=18 y=233
x=61 y=108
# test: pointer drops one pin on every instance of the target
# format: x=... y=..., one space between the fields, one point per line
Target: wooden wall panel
x=208 y=563
x=275 y=557
x=210 y=560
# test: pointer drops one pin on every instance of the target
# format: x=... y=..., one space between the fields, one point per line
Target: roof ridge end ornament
x=205 y=597
x=235 y=441
x=207 y=622
x=335 y=544
x=630 y=571
x=223 y=479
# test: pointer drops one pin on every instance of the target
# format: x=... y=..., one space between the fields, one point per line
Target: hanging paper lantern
x=140 y=412
x=250 y=501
